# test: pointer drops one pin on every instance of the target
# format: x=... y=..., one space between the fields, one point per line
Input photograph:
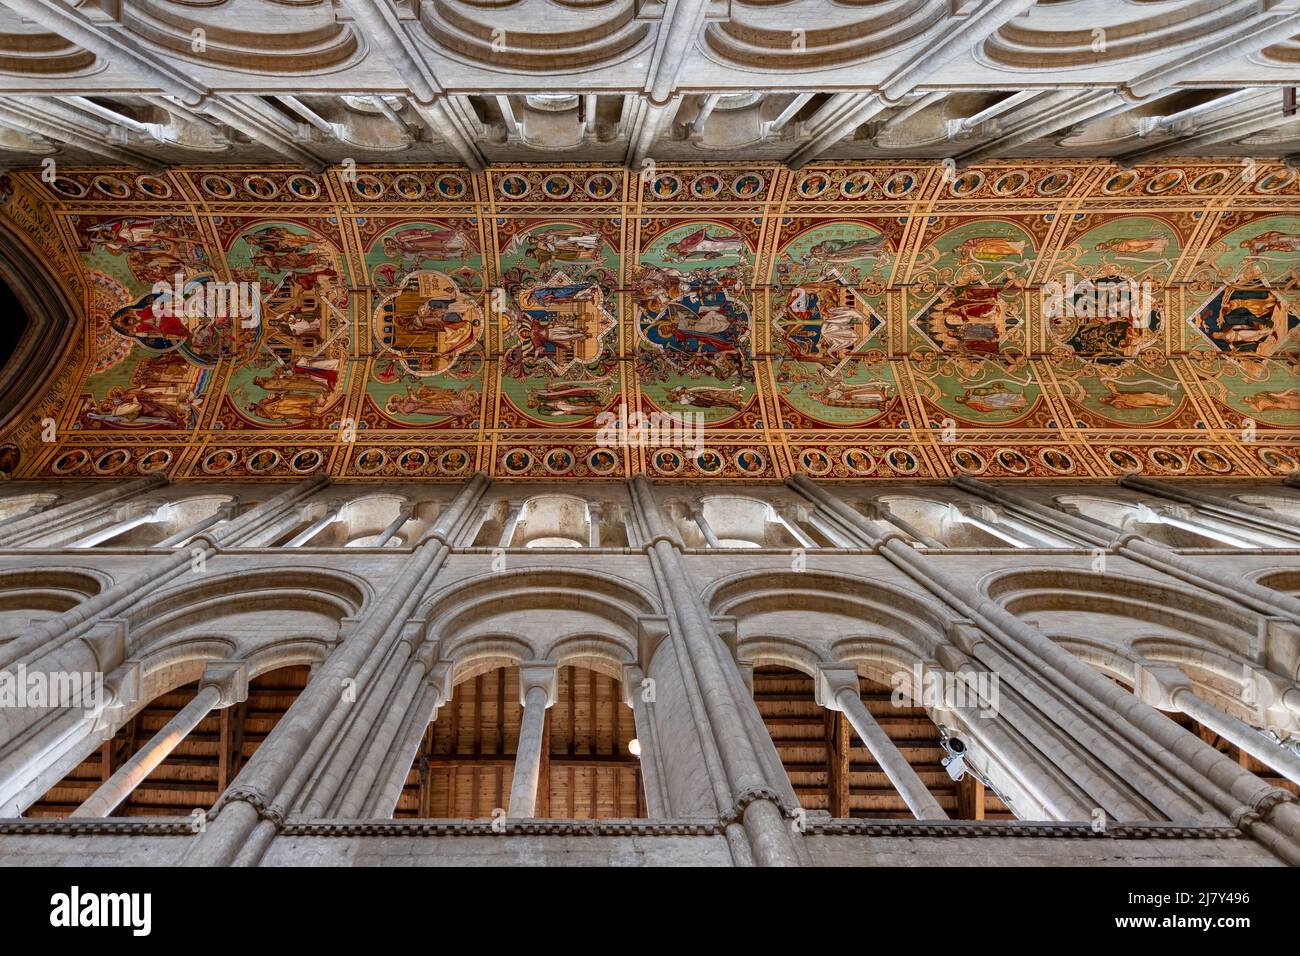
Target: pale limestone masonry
x=1068 y=594
x=318 y=82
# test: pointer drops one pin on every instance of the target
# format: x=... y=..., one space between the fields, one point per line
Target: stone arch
x=886 y=634
x=893 y=611
x=596 y=652
x=1114 y=662
x=1041 y=593
x=53 y=320
x=1286 y=580
x=777 y=650
x=734 y=521
x=553 y=521
x=362 y=518
x=343 y=591
x=47 y=591
x=168 y=682
x=948 y=524
x=1132 y=31
x=579 y=602
x=472 y=658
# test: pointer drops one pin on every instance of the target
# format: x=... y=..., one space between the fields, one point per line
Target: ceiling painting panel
x=850 y=321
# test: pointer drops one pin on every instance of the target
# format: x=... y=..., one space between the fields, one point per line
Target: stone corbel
x=1160 y=684
x=1279 y=646
x=230 y=678
x=651 y=631
x=725 y=628
x=543 y=674
x=833 y=678
x=413 y=633
x=631 y=679
x=950 y=657
x=965 y=635
x=1277 y=699
x=426 y=653
x=107 y=641
x=440 y=678
x=346 y=626
x=123 y=688
x=746 y=669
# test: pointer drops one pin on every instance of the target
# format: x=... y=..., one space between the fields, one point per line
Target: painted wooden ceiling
x=1042 y=320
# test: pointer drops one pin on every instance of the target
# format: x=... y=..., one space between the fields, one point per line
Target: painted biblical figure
x=825 y=322
x=428 y=323
x=974 y=319
x=560 y=324
x=1249 y=318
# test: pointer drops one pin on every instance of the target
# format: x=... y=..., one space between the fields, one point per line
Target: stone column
x=89 y=638
x=1166 y=687
x=394 y=526
x=1108 y=787
x=594 y=513
x=114 y=529
x=1257 y=597
x=1247 y=515
x=66 y=517
x=706 y=529
x=750 y=798
x=316 y=527
x=223 y=683
x=249 y=814
x=791 y=522
x=434 y=691
x=1269 y=814
x=656 y=797
x=1031 y=534
x=992 y=528
x=511 y=523
x=837 y=537
x=369 y=741
x=224 y=513
x=838 y=689
x=911 y=530
x=537 y=682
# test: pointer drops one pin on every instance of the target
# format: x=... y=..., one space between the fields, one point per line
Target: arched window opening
x=21 y=505
x=832 y=770
x=729 y=521
x=370 y=521
x=1175 y=526
x=27 y=597
x=940 y=524
x=548 y=521
x=1284 y=506
x=553 y=543
x=162 y=525
x=1214 y=691
x=198 y=768
x=466 y=762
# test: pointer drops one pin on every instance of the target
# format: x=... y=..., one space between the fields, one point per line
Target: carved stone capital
x=1159 y=684
x=543 y=674
x=651 y=631
x=833 y=678
x=230 y=678
x=107 y=641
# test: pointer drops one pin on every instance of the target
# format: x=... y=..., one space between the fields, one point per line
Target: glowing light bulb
x=634 y=747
